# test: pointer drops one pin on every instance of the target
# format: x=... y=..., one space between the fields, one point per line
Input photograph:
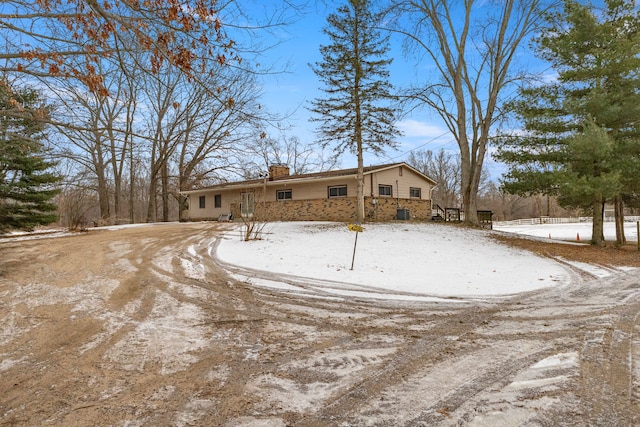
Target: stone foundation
x=338 y=209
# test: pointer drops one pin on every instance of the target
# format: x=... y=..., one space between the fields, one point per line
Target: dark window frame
x=386 y=187
x=202 y=202
x=414 y=189
x=217 y=201
x=284 y=193
x=338 y=191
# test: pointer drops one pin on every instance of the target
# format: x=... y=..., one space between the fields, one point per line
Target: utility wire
x=420 y=146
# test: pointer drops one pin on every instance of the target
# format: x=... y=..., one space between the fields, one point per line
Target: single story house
x=392 y=191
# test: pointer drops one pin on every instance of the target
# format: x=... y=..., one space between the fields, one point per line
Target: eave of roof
x=315 y=176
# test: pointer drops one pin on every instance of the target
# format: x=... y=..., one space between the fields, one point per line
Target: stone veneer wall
x=338 y=209
x=386 y=208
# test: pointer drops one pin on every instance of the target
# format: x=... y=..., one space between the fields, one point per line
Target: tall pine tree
x=591 y=114
x=590 y=176
x=26 y=184
x=355 y=113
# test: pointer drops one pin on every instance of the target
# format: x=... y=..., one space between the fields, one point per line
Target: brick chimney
x=276 y=171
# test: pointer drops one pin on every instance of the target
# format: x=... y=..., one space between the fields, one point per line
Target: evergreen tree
x=355 y=113
x=536 y=154
x=590 y=115
x=590 y=175
x=26 y=188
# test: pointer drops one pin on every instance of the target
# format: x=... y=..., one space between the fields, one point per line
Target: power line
x=422 y=145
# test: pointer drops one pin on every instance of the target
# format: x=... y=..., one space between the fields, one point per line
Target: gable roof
x=314 y=176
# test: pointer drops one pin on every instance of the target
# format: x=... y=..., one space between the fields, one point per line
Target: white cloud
x=415 y=128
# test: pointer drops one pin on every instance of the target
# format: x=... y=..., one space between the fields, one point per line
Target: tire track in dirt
x=607 y=377
x=58 y=378
x=288 y=357
x=341 y=407
x=497 y=377
x=414 y=354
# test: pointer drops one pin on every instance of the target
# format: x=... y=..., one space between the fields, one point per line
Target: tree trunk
x=470 y=184
x=132 y=179
x=103 y=196
x=360 y=192
x=619 y=218
x=358 y=135
x=165 y=192
x=597 y=226
x=151 y=207
x=538 y=203
x=116 y=197
x=470 y=209
x=182 y=206
x=548 y=205
x=182 y=201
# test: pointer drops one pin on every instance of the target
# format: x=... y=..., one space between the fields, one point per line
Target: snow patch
x=430 y=260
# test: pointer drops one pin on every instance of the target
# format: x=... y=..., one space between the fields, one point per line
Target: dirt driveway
x=142 y=327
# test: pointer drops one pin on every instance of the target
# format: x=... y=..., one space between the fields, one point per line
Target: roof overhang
x=301 y=180
x=280 y=182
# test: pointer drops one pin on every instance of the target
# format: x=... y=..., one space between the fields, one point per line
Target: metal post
x=638 y=234
x=353 y=258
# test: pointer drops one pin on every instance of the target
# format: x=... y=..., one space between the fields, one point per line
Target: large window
x=247 y=205
x=283 y=195
x=217 y=200
x=202 y=201
x=415 y=192
x=385 y=190
x=338 y=191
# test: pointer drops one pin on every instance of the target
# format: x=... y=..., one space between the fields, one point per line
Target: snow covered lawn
x=571 y=231
x=425 y=259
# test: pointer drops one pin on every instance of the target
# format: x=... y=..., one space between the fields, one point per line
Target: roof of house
x=314 y=176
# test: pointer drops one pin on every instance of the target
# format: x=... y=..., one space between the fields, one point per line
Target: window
x=385 y=190
x=283 y=195
x=415 y=192
x=247 y=205
x=217 y=200
x=202 y=202
x=338 y=191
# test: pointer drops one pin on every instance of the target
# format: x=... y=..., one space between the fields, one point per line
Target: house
x=392 y=191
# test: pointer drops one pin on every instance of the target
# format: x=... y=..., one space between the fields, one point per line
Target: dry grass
x=606 y=255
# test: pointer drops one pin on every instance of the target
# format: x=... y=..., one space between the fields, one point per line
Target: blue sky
x=290 y=92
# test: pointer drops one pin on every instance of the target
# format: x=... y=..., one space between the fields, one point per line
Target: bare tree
x=507 y=206
x=215 y=128
x=264 y=150
x=472 y=46
x=74 y=206
x=85 y=143
x=93 y=131
x=444 y=168
x=164 y=119
x=95 y=54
